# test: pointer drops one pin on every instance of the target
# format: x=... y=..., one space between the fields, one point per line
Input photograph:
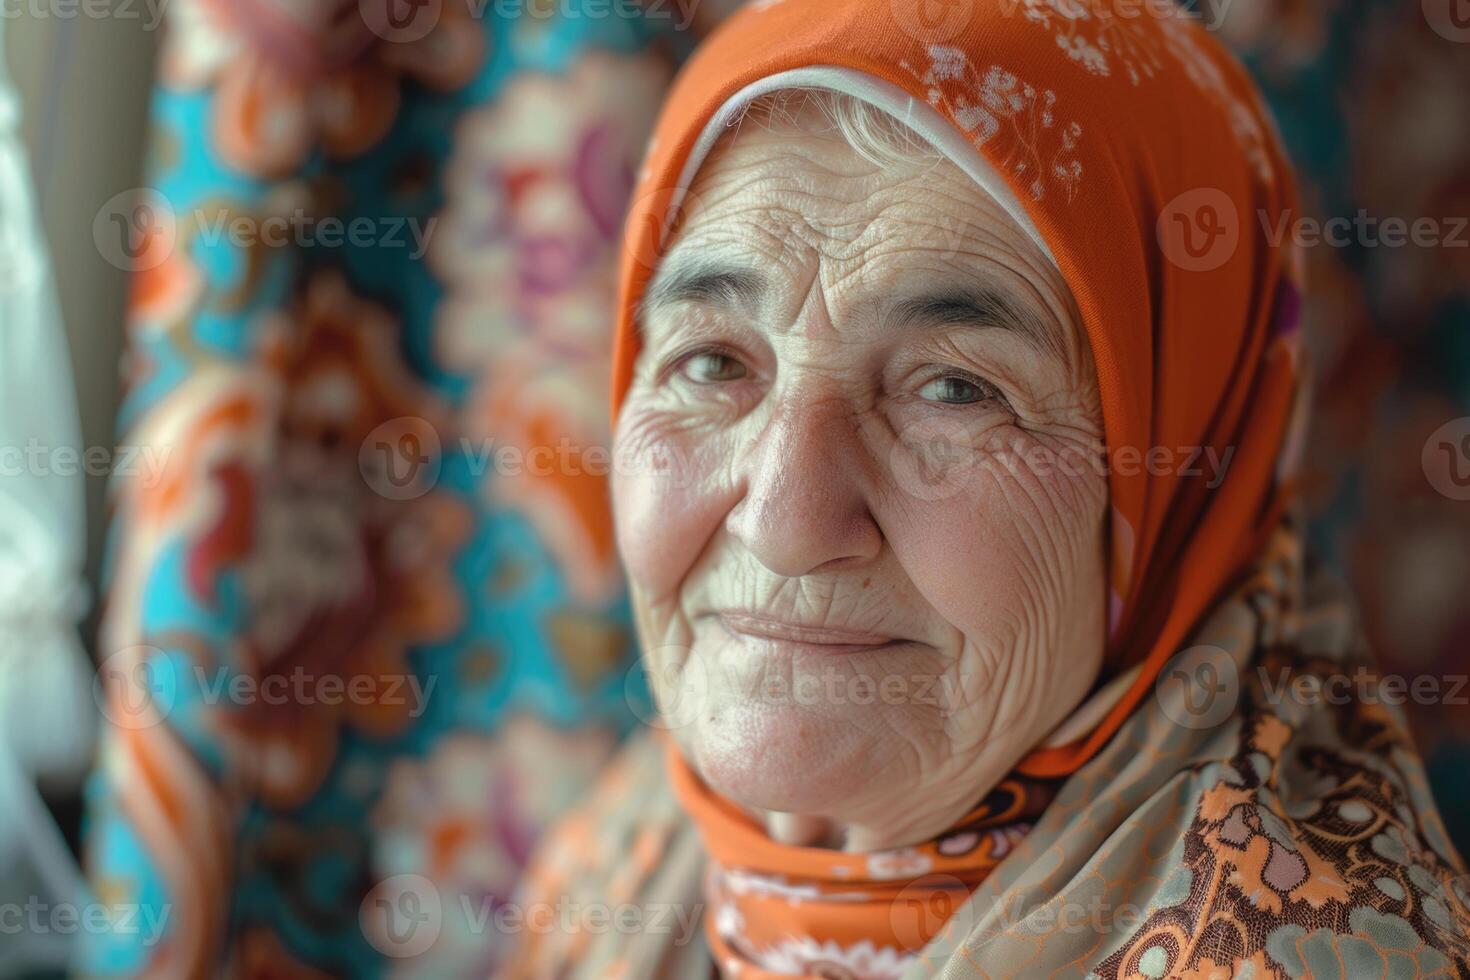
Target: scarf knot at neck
x=778 y=910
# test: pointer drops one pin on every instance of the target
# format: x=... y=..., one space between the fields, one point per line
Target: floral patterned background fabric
x=383 y=452
x=1372 y=97
x=348 y=490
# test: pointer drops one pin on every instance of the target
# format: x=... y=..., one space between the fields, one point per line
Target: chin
x=788 y=758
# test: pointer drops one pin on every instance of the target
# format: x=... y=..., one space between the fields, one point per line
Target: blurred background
x=259 y=253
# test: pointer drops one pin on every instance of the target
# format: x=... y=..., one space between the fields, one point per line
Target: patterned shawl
x=1229 y=828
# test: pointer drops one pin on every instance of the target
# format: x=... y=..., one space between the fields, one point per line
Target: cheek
x=1017 y=544
x=671 y=490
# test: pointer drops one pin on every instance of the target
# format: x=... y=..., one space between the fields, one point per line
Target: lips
x=755 y=626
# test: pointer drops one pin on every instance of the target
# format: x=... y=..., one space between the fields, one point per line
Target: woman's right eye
x=712 y=367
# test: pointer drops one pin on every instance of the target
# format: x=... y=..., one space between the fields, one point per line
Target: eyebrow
x=979 y=306
x=699 y=279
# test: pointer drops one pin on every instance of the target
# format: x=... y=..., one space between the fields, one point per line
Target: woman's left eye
x=713 y=367
x=956 y=390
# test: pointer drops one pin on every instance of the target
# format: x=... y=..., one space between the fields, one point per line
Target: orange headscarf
x=1140 y=152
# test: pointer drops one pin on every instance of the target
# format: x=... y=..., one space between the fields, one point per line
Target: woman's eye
x=954 y=390
x=713 y=367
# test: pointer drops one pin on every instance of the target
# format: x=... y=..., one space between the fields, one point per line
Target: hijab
x=1140 y=153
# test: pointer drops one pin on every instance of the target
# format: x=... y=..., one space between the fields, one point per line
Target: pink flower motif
x=957 y=845
x=1004 y=839
x=526 y=248
x=467 y=817
x=290 y=76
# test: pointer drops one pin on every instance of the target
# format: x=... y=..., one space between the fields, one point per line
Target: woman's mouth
x=781 y=633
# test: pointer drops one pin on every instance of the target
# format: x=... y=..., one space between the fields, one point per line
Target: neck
x=800 y=831
x=857 y=837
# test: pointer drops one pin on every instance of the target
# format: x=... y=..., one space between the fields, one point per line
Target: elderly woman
x=957 y=392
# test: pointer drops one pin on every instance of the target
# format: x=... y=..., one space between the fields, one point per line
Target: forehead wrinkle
x=790 y=228
x=782 y=181
x=944 y=289
x=802 y=224
x=926 y=298
x=794 y=190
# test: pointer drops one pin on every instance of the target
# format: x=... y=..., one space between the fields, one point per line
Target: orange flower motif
x=166 y=283
x=1217 y=801
x=340 y=581
x=1271 y=735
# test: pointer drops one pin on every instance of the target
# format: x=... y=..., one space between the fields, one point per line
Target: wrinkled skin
x=864 y=540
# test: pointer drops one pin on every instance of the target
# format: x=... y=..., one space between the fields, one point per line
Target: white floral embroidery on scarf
x=1095 y=39
x=729 y=923
x=1013 y=116
x=1104 y=43
x=749 y=883
x=804 y=956
x=1205 y=72
x=900 y=863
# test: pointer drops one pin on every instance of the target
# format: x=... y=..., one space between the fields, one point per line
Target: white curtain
x=47 y=715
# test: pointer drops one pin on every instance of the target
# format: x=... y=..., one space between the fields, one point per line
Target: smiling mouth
x=781 y=633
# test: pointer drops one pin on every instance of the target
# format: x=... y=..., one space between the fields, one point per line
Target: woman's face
x=858 y=493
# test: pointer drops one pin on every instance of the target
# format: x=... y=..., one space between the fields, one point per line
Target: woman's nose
x=804 y=508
